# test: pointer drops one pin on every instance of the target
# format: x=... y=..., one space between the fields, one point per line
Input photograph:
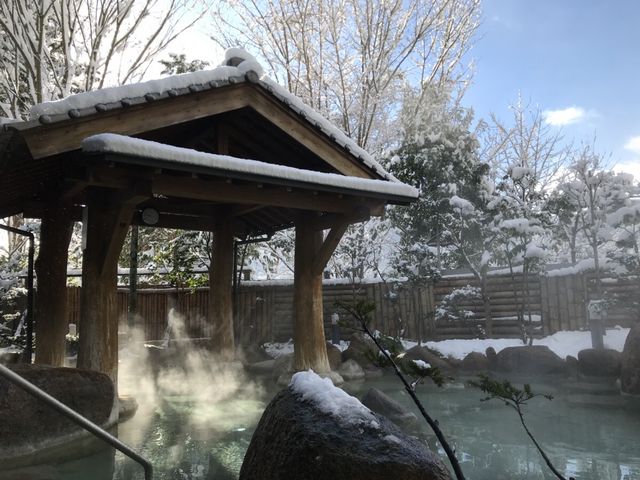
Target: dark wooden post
x=108 y=218
x=221 y=288
x=51 y=301
x=133 y=277
x=311 y=256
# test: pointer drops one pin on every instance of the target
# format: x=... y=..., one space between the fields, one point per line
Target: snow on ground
x=331 y=399
x=562 y=343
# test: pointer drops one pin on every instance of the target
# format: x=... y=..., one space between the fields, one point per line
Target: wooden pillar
x=310 y=348
x=311 y=256
x=221 y=290
x=51 y=271
x=107 y=219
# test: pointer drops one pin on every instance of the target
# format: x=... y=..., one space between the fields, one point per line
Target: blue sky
x=560 y=55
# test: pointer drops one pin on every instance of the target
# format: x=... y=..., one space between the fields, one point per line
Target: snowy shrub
x=452 y=306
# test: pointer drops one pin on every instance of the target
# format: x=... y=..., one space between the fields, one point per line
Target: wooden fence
x=264 y=310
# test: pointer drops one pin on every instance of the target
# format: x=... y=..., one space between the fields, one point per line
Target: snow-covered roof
x=238 y=67
x=135 y=147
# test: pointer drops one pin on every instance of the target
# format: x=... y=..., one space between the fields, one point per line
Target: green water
x=589 y=433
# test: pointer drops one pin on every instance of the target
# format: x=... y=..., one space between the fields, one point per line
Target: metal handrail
x=77 y=418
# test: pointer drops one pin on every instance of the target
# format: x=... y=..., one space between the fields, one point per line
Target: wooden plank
x=64 y=136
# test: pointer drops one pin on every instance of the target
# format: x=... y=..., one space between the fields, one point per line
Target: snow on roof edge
x=120 y=144
x=71 y=105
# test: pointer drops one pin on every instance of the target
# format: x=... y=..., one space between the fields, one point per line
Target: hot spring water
x=586 y=430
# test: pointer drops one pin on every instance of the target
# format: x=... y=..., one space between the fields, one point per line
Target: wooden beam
x=122 y=204
x=324 y=222
x=63 y=136
x=225 y=192
x=240 y=210
x=305 y=134
x=329 y=245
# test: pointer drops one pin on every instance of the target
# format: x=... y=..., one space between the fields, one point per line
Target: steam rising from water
x=209 y=394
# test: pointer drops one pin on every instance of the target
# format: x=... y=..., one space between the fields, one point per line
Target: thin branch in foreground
x=360 y=312
x=516 y=399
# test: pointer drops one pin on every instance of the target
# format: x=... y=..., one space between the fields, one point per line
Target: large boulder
x=254 y=353
x=475 y=362
x=264 y=367
x=427 y=356
x=361 y=349
x=386 y=406
x=26 y=423
x=530 y=360
x=338 y=438
x=594 y=362
x=350 y=370
x=630 y=372
x=283 y=365
x=334 y=355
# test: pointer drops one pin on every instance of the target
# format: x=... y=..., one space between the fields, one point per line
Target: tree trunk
x=486 y=303
x=51 y=301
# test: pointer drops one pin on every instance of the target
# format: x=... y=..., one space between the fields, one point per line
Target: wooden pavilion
x=174 y=153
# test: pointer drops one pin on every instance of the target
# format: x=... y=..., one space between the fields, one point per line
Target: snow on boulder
x=315 y=431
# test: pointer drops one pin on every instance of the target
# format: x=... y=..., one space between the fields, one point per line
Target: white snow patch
x=116 y=94
x=422 y=364
x=331 y=399
x=278 y=349
x=460 y=204
x=535 y=251
x=113 y=143
x=518 y=172
x=561 y=343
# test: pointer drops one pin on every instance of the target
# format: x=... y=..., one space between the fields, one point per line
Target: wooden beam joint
x=329 y=245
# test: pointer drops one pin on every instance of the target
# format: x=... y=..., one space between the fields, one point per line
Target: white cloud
x=632 y=167
x=565 y=116
x=633 y=144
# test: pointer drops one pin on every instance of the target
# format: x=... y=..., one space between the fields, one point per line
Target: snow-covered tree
x=527 y=155
x=438 y=156
x=594 y=192
x=349 y=59
x=53 y=48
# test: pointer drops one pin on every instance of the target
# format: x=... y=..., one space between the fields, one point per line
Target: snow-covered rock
x=313 y=430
